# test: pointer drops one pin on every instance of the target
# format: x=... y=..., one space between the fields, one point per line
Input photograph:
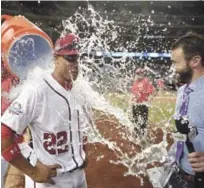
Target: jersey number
x=55 y=143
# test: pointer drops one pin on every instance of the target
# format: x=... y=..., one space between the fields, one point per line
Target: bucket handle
x=6 y=17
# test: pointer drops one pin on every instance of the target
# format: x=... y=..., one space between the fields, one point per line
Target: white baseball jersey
x=55 y=119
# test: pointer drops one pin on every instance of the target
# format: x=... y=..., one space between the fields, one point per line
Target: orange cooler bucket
x=24 y=46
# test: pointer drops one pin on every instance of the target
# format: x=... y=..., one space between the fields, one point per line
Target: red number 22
x=55 y=144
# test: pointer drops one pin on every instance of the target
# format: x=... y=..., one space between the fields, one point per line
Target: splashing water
x=110 y=76
x=100 y=36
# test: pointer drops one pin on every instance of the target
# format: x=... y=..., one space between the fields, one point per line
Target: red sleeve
x=5 y=102
x=149 y=87
x=6 y=132
x=135 y=90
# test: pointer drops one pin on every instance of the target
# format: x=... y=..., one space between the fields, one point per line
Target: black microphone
x=182 y=126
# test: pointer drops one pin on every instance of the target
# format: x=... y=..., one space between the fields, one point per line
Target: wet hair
x=192 y=44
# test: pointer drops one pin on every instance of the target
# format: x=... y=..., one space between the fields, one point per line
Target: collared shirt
x=66 y=85
x=195 y=116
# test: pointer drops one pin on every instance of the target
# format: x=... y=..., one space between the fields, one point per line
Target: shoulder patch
x=15 y=108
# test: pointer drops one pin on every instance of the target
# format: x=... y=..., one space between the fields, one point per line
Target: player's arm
x=22 y=112
x=11 y=153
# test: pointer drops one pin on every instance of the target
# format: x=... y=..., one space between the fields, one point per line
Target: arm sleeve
x=135 y=90
x=22 y=111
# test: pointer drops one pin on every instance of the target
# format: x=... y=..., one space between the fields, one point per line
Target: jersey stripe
x=72 y=148
x=80 y=140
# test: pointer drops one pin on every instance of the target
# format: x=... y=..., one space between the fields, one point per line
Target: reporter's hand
x=196 y=159
x=43 y=173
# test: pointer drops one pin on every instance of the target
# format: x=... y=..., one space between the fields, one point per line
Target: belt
x=79 y=167
x=74 y=169
x=186 y=176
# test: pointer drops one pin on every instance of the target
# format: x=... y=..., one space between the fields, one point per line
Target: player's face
x=68 y=67
x=183 y=69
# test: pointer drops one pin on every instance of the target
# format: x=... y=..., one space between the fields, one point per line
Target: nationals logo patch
x=15 y=108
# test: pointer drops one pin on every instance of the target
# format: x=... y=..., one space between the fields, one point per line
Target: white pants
x=4 y=168
x=75 y=179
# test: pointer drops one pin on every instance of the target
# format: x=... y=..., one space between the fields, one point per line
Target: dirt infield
x=103 y=174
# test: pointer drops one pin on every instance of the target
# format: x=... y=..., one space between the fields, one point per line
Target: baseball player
x=141 y=91
x=55 y=118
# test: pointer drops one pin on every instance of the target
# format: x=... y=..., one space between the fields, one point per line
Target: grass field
x=161 y=107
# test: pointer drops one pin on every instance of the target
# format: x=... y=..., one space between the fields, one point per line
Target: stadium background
x=171 y=20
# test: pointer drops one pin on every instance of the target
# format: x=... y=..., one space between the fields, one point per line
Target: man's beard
x=185 y=76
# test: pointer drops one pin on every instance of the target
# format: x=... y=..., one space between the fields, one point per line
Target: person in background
x=141 y=91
